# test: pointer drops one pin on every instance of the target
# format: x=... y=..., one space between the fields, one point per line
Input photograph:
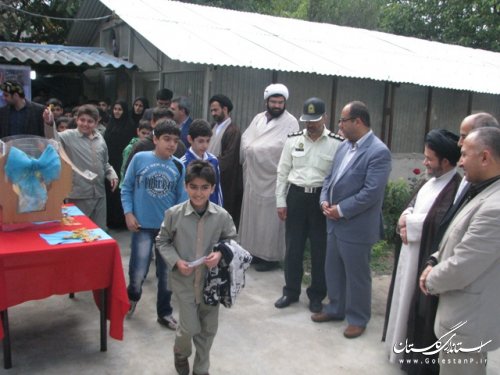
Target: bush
x=397 y=196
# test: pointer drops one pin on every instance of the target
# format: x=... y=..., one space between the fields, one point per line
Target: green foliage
x=382 y=258
x=470 y=23
x=396 y=198
x=353 y=13
x=16 y=26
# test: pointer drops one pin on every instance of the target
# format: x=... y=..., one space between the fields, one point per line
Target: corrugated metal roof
x=86 y=32
x=215 y=36
x=63 y=55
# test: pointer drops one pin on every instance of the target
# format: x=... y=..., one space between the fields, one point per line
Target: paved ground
x=61 y=336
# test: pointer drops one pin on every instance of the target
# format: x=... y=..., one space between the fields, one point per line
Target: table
x=31 y=269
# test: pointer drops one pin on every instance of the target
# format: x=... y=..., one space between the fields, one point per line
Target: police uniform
x=303 y=166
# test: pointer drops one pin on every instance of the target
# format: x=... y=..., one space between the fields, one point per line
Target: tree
x=470 y=23
x=354 y=13
x=29 y=21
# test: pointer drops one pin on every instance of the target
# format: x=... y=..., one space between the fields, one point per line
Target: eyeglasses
x=342 y=120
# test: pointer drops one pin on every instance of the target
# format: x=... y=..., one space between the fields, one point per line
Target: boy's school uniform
x=186 y=235
x=125 y=154
x=216 y=197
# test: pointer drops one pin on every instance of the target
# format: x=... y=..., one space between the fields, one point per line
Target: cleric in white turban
x=261 y=231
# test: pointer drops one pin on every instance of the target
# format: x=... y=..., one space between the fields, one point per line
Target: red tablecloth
x=31 y=269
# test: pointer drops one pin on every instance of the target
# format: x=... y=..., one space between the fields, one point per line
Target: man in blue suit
x=351 y=200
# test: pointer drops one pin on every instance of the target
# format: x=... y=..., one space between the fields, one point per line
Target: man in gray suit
x=465 y=272
x=351 y=200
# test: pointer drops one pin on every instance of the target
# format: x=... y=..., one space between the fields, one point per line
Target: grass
x=381 y=261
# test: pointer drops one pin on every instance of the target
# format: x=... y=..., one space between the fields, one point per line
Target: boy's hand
x=183 y=267
x=213 y=259
x=48 y=117
x=132 y=223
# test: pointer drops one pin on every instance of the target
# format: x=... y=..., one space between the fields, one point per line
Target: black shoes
x=315 y=306
x=168 y=322
x=285 y=301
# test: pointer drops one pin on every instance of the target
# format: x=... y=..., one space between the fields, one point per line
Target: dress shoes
x=284 y=301
x=315 y=306
x=351 y=332
x=323 y=317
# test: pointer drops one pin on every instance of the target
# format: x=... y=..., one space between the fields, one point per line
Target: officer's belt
x=309 y=190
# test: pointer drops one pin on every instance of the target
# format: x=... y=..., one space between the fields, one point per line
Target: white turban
x=276 y=89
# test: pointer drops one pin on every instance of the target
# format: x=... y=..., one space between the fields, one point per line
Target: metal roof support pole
x=385 y=112
x=428 y=115
x=390 y=110
x=469 y=102
x=388 y=113
x=274 y=78
x=333 y=103
x=161 y=79
x=207 y=84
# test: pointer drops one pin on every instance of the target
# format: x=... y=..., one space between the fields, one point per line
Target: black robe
x=231 y=174
x=118 y=134
x=420 y=325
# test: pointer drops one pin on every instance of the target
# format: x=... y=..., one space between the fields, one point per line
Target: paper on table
x=196 y=262
x=72 y=211
x=63 y=237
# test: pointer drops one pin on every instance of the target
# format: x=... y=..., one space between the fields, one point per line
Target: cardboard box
x=11 y=217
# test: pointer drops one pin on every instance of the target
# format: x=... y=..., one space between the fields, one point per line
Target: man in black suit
x=20 y=116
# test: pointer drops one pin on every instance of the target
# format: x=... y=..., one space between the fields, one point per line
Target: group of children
x=177 y=204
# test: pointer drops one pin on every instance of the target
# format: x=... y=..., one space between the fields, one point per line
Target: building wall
x=486 y=103
x=245 y=86
x=449 y=107
x=369 y=92
x=410 y=108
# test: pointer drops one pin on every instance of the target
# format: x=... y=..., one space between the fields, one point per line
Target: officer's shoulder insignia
x=295 y=134
x=336 y=136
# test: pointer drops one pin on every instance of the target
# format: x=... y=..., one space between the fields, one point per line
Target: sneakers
x=131 y=310
x=168 y=322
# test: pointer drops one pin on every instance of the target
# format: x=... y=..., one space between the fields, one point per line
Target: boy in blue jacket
x=199 y=138
x=153 y=183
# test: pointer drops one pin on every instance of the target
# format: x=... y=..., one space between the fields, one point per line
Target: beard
x=275 y=112
x=218 y=118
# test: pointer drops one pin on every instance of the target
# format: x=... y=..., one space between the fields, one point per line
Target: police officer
x=305 y=162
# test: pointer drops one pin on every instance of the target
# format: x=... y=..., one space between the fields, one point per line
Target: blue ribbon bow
x=32 y=175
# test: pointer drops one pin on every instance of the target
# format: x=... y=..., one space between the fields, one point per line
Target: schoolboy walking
x=199 y=138
x=187 y=237
x=154 y=182
x=87 y=150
